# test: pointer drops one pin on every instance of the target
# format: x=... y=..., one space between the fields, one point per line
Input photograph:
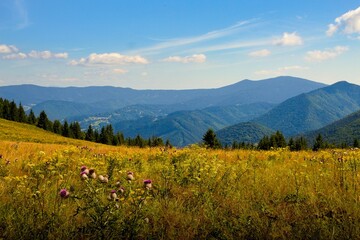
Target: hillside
x=344 y=130
x=248 y=132
x=313 y=110
x=20 y=132
x=186 y=127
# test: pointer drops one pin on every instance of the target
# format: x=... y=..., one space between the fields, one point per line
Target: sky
x=171 y=44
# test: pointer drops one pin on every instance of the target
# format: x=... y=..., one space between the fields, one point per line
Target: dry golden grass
x=196 y=193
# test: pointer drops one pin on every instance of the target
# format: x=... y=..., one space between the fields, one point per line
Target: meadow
x=190 y=193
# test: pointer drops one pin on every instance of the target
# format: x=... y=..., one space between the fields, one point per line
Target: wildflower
x=130 y=176
x=92 y=173
x=112 y=195
x=83 y=175
x=84 y=169
x=64 y=193
x=121 y=190
x=147 y=183
x=103 y=179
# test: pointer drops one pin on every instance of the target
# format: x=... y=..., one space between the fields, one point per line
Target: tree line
x=274 y=141
x=10 y=111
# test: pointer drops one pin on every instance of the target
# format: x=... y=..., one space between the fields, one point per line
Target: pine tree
x=319 y=143
x=31 y=119
x=291 y=144
x=65 y=129
x=43 y=121
x=57 y=128
x=210 y=140
x=76 y=130
x=14 y=115
x=6 y=110
x=21 y=114
x=264 y=143
x=89 y=136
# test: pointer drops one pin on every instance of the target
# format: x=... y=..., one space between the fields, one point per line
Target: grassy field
x=194 y=194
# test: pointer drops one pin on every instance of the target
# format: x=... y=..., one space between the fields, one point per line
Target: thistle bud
x=64 y=193
x=92 y=173
x=83 y=175
x=130 y=176
x=112 y=196
x=147 y=184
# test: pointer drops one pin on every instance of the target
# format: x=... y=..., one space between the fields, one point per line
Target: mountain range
x=291 y=105
x=302 y=114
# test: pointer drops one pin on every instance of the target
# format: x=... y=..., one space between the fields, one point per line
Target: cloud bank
x=319 y=56
x=109 y=59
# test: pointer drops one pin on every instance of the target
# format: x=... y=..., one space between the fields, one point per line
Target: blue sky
x=177 y=44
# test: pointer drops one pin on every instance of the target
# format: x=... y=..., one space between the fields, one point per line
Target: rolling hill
x=186 y=127
x=344 y=130
x=313 y=110
x=248 y=132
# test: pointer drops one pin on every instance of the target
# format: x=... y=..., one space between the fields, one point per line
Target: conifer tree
x=57 y=128
x=319 y=143
x=65 y=129
x=210 y=140
x=43 y=121
x=89 y=136
x=31 y=119
x=21 y=114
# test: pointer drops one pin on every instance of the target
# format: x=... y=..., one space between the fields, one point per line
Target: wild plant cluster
x=50 y=191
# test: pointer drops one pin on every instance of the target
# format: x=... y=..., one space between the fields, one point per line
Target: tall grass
x=195 y=193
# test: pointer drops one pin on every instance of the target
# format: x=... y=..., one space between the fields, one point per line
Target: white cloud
x=109 y=59
x=281 y=70
x=47 y=55
x=260 y=53
x=289 y=39
x=119 y=71
x=196 y=58
x=349 y=23
x=8 y=49
x=15 y=56
x=36 y=55
x=318 y=56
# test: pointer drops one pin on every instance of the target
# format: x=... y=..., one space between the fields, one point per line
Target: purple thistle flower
x=147 y=183
x=64 y=193
x=85 y=170
x=83 y=175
